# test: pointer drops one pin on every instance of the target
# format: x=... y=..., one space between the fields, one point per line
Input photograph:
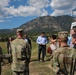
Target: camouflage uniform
x=64 y=59
x=20 y=63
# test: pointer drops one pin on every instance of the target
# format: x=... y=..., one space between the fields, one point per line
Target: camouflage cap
x=19 y=30
x=63 y=34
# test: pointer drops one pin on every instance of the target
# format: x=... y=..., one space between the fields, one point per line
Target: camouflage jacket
x=19 y=54
x=64 y=61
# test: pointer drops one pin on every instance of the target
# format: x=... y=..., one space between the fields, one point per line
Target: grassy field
x=35 y=67
x=4 y=47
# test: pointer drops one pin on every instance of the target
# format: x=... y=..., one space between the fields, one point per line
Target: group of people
x=19 y=50
x=64 y=58
x=9 y=50
x=63 y=47
x=63 y=61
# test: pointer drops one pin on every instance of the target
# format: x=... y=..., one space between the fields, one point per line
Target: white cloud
x=39 y=3
x=16 y=0
x=62 y=7
x=23 y=11
x=34 y=8
x=44 y=12
x=3 y=12
x=2 y=20
x=4 y=3
x=61 y=12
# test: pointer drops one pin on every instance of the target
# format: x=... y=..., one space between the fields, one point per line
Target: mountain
x=7 y=31
x=46 y=23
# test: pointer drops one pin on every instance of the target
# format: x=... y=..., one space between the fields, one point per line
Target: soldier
x=64 y=58
x=20 y=59
x=1 y=59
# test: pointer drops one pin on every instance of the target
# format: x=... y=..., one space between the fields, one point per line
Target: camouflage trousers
x=26 y=72
x=18 y=73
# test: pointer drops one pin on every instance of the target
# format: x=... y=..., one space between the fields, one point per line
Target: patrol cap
x=19 y=30
x=62 y=34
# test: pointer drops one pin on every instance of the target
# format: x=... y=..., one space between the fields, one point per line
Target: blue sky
x=14 y=13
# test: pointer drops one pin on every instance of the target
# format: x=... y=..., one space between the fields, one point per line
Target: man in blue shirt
x=42 y=41
x=69 y=42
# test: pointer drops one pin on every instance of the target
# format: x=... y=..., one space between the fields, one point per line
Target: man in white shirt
x=42 y=41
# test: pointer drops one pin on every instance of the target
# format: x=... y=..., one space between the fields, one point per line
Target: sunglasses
x=74 y=35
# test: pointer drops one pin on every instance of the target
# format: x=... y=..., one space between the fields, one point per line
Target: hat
x=63 y=34
x=74 y=28
x=19 y=30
